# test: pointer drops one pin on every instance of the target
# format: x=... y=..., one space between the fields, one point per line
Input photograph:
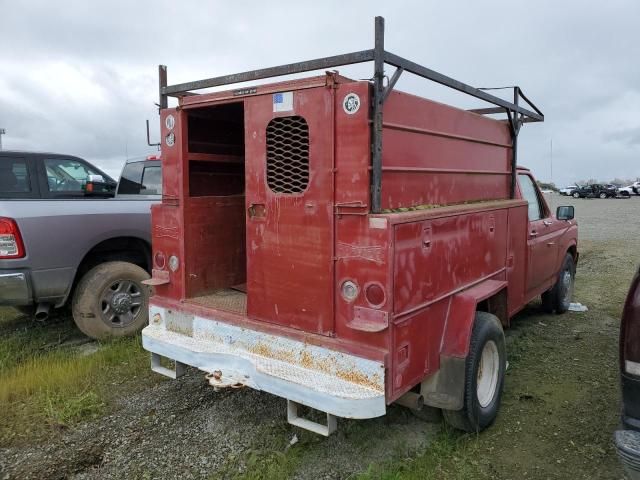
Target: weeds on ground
x=47 y=383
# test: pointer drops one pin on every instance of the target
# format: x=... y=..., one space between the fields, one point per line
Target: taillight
x=374 y=294
x=630 y=330
x=11 y=245
x=159 y=260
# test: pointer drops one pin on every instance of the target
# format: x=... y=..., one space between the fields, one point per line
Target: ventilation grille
x=288 y=154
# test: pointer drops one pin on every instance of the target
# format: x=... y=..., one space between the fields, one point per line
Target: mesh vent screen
x=288 y=154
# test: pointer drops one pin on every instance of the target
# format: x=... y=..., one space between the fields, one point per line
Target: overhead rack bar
x=516 y=113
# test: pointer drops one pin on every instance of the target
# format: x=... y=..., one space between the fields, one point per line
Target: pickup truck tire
x=111 y=301
x=575 y=195
x=484 y=376
x=558 y=298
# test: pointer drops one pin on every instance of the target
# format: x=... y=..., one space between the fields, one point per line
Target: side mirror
x=97 y=186
x=566 y=212
x=95 y=179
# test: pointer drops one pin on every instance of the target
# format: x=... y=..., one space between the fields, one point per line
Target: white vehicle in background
x=568 y=190
x=633 y=189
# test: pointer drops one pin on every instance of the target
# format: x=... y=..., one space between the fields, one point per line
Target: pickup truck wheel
x=575 y=195
x=559 y=297
x=111 y=301
x=603 y=195
x=484 y=376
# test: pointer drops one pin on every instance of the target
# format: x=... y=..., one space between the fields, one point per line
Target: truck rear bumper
x=338 y=383
x=14 y=288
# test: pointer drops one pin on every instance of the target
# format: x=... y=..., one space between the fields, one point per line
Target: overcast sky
x=80 y=77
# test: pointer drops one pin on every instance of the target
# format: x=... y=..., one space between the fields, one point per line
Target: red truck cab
x=345 y=245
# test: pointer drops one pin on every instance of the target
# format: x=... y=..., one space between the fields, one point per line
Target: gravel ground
x=183 y=429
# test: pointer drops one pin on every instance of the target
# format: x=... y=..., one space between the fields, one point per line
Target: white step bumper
x=340 y=384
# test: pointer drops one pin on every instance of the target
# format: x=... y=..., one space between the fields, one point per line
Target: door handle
x=256 y=210
x=547 y=223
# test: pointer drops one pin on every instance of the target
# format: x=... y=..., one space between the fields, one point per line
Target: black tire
x=575 y=195
x=111 y=301
x=603 y=195
x=558 y=298
x=476 y=415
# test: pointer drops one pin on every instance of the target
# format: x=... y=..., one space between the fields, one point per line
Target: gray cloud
x=80 y=77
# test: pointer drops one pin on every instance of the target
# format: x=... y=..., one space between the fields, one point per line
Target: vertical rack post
x=378 y=98
x=514 y=143
x=162 y=83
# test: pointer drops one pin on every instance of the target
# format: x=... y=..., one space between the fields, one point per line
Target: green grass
x=48 y=382
x=449 y=456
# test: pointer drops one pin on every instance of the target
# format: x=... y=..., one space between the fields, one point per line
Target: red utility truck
x=345 y=245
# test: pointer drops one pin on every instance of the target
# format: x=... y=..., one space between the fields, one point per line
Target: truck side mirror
x=566 y=212
x=95 y=179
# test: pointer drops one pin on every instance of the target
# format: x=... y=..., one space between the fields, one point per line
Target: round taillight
x=159 y=260
x=349 y=290
x=374 y=294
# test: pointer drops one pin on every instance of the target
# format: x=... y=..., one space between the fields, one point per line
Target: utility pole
x=2 y=132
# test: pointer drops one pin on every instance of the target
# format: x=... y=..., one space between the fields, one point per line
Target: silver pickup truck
x=70 y=235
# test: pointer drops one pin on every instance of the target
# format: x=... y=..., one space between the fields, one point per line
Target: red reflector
x=11 y=245
x=153 y=157
x=159 y=260
x=375 y=294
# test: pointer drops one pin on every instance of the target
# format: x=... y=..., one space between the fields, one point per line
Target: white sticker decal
x=170 y=122
x=170 y=139
x=283 y=102
x=351 y=103
x=377 y=222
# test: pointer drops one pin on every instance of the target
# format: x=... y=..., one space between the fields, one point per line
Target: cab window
x=530 y=194
x=67 y=175
x=14 y=176
x=141 y=178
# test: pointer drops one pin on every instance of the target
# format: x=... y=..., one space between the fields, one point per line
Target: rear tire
x=111 y=301
x=575 y=195
x=559 y=297
x=603 y=195
x=484 y=376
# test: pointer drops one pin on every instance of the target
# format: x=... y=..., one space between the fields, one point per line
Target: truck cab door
x=542 y=239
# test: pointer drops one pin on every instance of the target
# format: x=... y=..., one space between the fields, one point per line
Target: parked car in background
x=65 y=240
x=627 y=440
x=595 y=191
x=568 y=190
x=633 y=189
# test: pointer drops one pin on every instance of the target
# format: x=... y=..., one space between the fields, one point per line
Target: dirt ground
x=559 y=411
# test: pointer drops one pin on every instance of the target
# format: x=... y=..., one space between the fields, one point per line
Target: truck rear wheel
x=559 y=297
x=485 y=366
x=111 y=301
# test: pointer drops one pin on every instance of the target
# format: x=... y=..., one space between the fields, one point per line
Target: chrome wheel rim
x=121 y=303
x=567 y=286
x=488 y=372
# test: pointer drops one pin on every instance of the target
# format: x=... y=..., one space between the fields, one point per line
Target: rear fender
x=445 y=388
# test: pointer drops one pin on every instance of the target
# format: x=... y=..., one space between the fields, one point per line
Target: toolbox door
x=289 y=201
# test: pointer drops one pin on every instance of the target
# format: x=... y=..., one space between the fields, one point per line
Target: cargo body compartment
x=293 y=256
